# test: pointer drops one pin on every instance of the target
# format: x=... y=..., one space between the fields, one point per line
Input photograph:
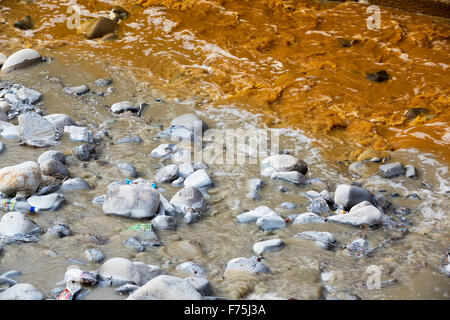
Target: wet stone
x=77 y=90
x=270 y=223
x=135 y=244
x=348 y=196
x=164 y=223
x=410 y=171
x=324 y=240
x=51 y=155
x=21 y=59
x=79 y=134
x=198 y=179
x=202 y=285
x=130 y=139
x=167 y=173
x=128 y=169
x=308 y=217
x=392 y=170
x=84 y=152
x=191 y=268
x=288 y=205
x=319 y=206
x=268 y=246
x=94 y=255
x=60 y=230
x=28 y=95
x=103 y=82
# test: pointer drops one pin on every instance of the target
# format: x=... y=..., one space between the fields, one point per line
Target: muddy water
x=412 y=260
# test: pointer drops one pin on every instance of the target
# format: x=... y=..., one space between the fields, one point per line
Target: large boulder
x=16 y=223
x=138 y=200
x=166 y=287
x=188 y=198
x=24 y=177
x=285 y=163
x=21 y=59
x=348 y=196
x=21 y=291
x=36 y=131
x=122 y=271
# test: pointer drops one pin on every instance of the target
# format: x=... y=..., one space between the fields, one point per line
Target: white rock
x=79 y=134
x=308 y=217
x=21 y=291
x=166 y=288
x=267 y=172
x=163 y=150
x=324 y=240
x=348 y=196
x=164 y=223
x=198 y=179
x=167 y=173
x=290 y=176
x=50 y=202
x=51 y=155
x=192 y=268
x=185 y=169
x=270 y=223
x=21 y=59
x=369 y=215
x=35 y=130
x=189 y=121
x=285 y=163
x=202 y=285
x=28 y=95
x=254 y=215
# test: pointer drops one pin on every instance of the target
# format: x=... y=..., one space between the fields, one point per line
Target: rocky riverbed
x=124 y=212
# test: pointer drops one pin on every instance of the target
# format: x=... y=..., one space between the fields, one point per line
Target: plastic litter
x=13 y=205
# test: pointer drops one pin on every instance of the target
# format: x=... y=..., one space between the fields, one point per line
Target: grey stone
x=128 y=169
x=324 y=240
x=163 y=151
x=122 y=271
x=348 y=196
x=99 y=199
x=124 y=106
x=50 y=202
x=178 y=182
x=202 y=285
x=77 y=90
x=59 y=121
x=54 y=168
x=84 y=152
x=188 y=198
x=319 y=206
x=167 y=173
x=103 y=82
x=51 y=155
x=290 y=176
x=186 y=169
x=251 y=266
x=75 y=184
x=270 y=223
x=191 y=268
x=268 y=246
x=94 y=255
x=410 y=171
x=28 y=95
x=164 y=223
x=198 y=179
x=189 y=121
x=139 y=200
x=21 y=59
x=191 y=217
x=60 y=230
x=3 y=115
x=130 y=139
x=166 y=287
x=391 y=170
x=36 y=131
x=2 y=147
x=288 y=205
x=358 y=168
x=135 y=244
x=359 y=247
x=255 y=185
x=308 y=217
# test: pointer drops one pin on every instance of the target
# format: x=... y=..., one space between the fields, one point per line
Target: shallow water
x=412 y=260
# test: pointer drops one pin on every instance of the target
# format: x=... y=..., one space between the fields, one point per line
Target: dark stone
x=378 y=76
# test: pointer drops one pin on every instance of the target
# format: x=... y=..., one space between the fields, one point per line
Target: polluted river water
x=294 y=68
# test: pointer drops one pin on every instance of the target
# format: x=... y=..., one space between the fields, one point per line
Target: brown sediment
x=289 y=60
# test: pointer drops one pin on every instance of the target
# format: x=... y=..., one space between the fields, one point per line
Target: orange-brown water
x=284 y=59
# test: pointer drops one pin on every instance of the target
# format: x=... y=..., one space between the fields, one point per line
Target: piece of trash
x=128 y=181
x=13 y=205
x=154 y=185
x=140 y=227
